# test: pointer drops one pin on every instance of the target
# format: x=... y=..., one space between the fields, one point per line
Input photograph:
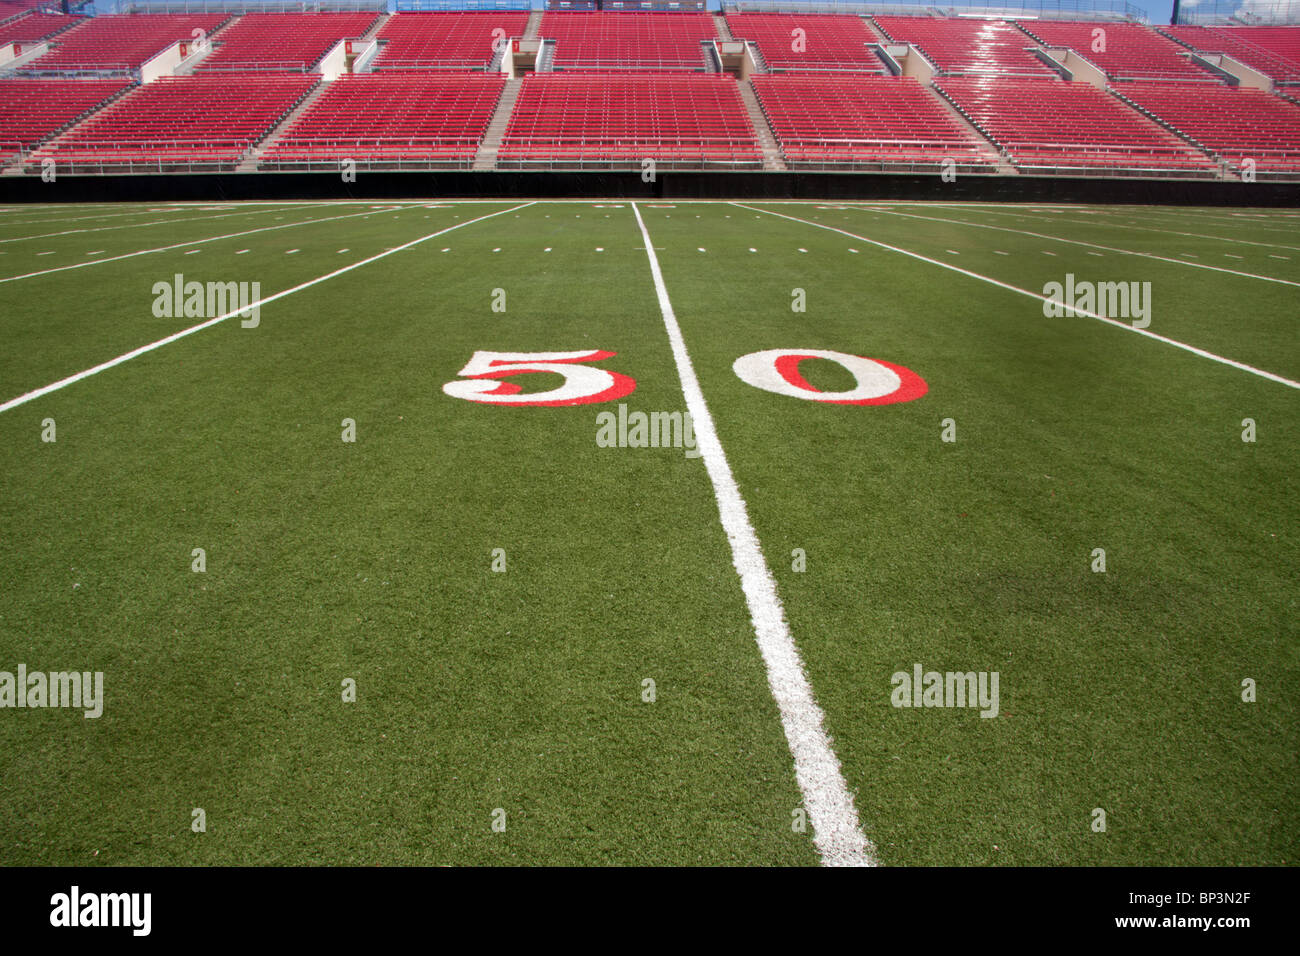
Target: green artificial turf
x=522 y=690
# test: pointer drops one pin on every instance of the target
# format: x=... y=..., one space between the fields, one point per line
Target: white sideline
x=836 y=832
x=1040 y=297
x=182 y=245
x=127 y=356
x=1090 y=245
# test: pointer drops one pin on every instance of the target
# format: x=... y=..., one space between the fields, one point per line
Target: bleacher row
x=630 y=86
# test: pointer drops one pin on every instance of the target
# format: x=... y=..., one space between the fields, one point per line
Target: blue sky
x=1158 y=11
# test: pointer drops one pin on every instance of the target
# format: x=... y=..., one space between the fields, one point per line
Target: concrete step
x=772 y=158
x=708 y=56
x=723 y=28
x=534 y=24
x=375 y=28
x=486 y=157
x=249 y=165
x=987 y=146
x=54 y=138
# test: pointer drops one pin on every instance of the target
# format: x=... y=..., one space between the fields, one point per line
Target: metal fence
x=243 y=6
x=1040 y=9
x=1209 y=12
x=436 y=6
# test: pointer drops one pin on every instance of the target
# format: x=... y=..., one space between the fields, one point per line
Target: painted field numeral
x=482 y=379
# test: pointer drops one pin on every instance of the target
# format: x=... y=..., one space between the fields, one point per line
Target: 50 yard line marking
x=1233 y=363
x=836 y=832
x=127 y=356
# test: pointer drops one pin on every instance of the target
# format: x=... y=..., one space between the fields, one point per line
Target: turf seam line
x=127 y=356
x=1091 y=245
x=182 y=245
x=836 y=831
x=1121 y=225
x=1242 y=366
x=141 y=225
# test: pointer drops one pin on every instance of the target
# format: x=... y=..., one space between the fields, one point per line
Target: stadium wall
x=629 y=185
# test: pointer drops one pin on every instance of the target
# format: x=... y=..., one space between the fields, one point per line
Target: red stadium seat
x=1274 y=51
x=1053 y=126
x=210 y=121
x=31 y=110
x=392 y=119
x=121 y=43
x=457 y=41
x=282 y=41
x=628 y=41
x=35 y=26
x=864 y=121
x=1122 y=50
x=1236 y=124
x=619 y=119
x=826 y=42
x=969 y=47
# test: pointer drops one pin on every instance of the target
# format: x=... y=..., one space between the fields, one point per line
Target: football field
x=654 y=533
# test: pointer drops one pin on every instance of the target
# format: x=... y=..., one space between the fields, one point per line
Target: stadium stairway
x=708 y=53
x=249 y=165
x=486 y=157
x=772 y=158
x=1225 y=171
x=720 y=24
x=989 y=148
x=534 y=24
x=17 y=167
x=375 y=27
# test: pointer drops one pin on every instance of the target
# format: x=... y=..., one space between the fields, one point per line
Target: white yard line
x=140 y=225
x=1105 y=215
x=142 y=208
x=1120 y=225
x=134 y=353
x=1090 y=245
x=1128 y=327
x=837 y=834
x=1258 y=223
x=181 y=245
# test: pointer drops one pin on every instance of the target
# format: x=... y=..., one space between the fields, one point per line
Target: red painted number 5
x=481 y=379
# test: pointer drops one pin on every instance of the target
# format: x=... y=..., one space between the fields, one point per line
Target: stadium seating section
x=31 y=110
x=14 y=8
x=282 y=41
x=962 y=46
x=826 y=120
x=628 y=41
x=121 y=43
x=1274 y=51
x=1236 y=124
x=1051 y=125
x=207 y=121
x=388 y=119
x=35 y=26
x=461 y=41
x=827 y=42
x=1123 y=50
x=595 y=119
x=616 y=88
